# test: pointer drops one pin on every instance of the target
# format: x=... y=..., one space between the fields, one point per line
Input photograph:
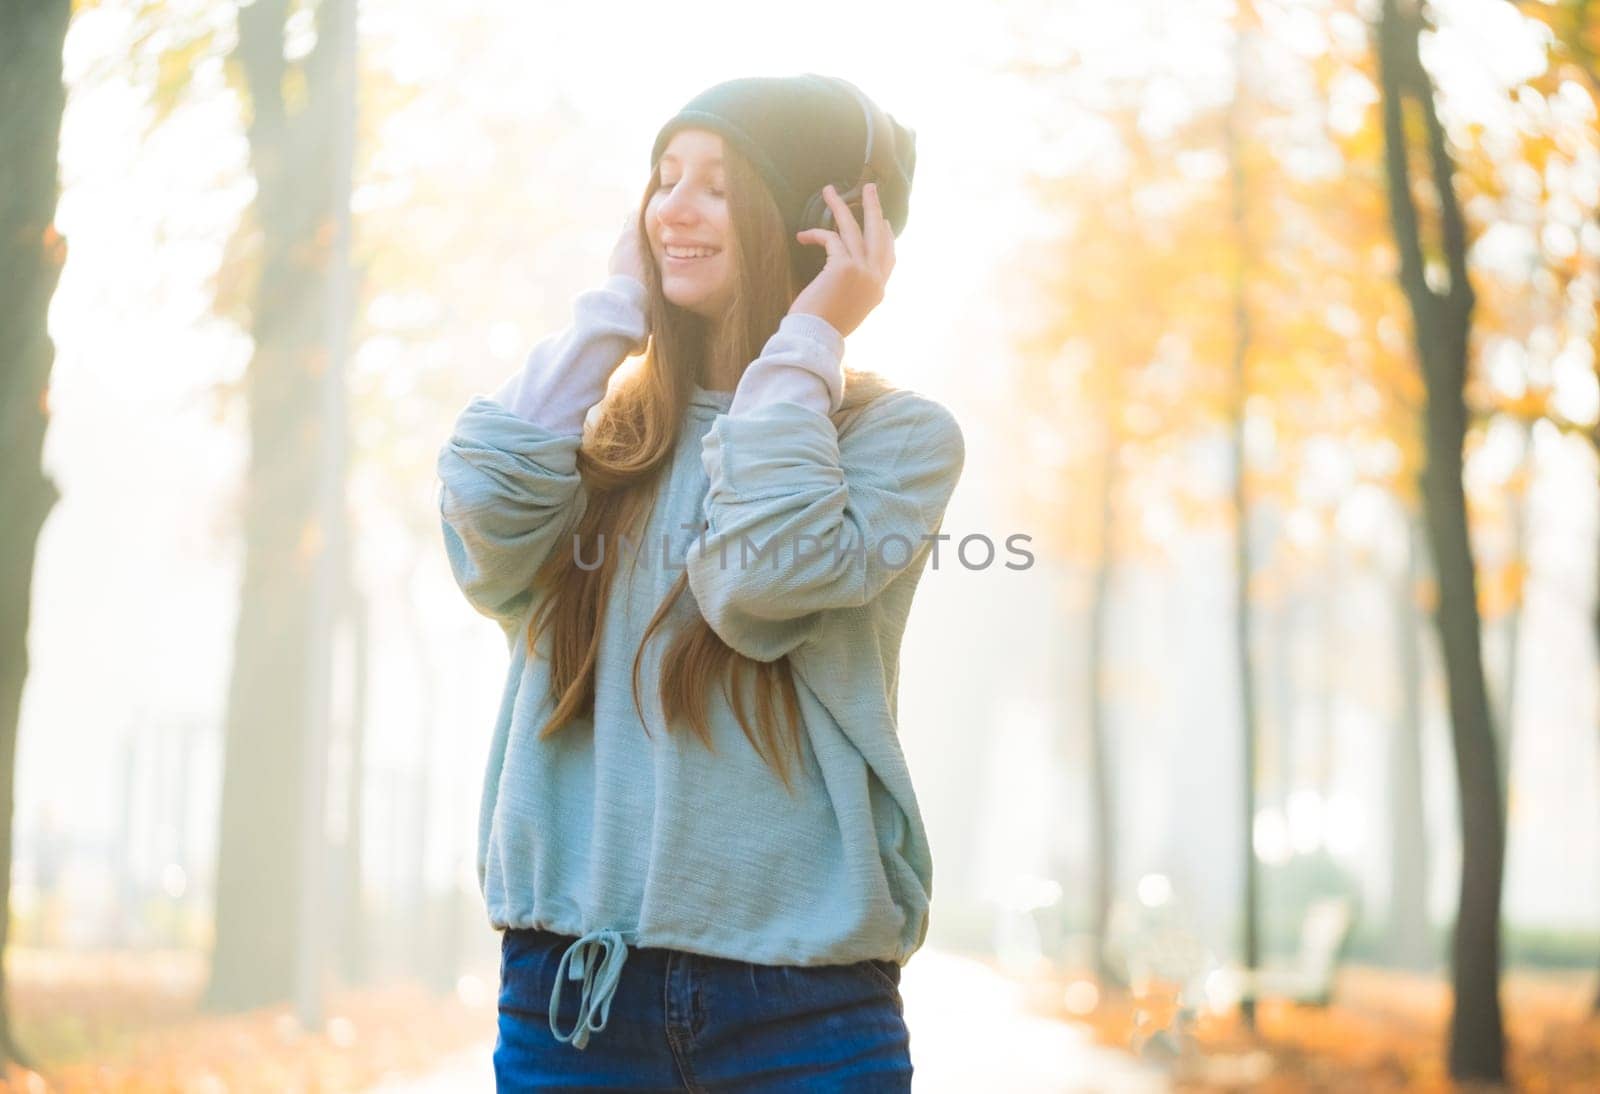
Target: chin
x=698 y=302
x=687 y=301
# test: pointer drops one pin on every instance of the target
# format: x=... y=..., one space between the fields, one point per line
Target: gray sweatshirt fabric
x=815 y=544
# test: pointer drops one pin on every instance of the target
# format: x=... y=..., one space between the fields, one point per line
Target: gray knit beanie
x=800 y=133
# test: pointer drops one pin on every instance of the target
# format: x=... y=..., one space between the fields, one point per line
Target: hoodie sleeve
x=803 y=363
x=508 y=491
x=801 y=520
x=509 y=483
x=567 y=373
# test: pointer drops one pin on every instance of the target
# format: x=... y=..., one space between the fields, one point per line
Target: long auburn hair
x=624 y=455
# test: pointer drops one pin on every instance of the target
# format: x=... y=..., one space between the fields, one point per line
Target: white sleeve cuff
x=567 y=373
x=801 y=363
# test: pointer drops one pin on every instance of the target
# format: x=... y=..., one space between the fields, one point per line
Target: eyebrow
x=709 y=163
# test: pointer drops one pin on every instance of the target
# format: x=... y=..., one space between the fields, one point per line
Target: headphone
x=877 y=163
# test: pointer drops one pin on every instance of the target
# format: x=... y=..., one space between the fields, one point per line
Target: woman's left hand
x=858 y=265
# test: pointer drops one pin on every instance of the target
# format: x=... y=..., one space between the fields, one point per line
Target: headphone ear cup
x=817 y=214
x=853 y=199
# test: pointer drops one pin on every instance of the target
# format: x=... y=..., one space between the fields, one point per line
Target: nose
x=673 y=209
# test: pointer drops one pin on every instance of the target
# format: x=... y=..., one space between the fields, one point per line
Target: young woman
x=698 y=832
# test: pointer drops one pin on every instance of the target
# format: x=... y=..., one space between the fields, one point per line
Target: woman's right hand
x=625 y=256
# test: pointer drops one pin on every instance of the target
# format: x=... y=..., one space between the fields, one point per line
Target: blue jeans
x=686 y=1021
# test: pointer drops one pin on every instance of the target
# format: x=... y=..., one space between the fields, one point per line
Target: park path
x=969 y=1031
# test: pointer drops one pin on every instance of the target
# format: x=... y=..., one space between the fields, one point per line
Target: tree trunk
x=353 y=948
x=271 y=794
x=422 y=943
x=1250 y=926
x=1285 y=626
x=1596 y=1007
x=1102 y=783
x=1409 y=943
x=1442 y=326
x=1328 y=652
x=1506 y=722
x=336 y=65
x=32 y=99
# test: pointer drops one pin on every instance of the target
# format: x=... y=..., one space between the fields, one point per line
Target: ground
x=126 y=1022
x=1384 y=1031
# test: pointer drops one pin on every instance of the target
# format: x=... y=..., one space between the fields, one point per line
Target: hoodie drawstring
x=595 y=958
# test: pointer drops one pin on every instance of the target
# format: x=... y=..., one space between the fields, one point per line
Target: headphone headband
x=818 y=213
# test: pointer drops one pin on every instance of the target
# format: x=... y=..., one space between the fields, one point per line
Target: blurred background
x=1270 y=324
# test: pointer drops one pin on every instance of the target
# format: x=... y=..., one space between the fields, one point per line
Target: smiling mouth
x=685 y=255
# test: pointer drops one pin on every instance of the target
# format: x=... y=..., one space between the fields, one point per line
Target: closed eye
x=713 y=191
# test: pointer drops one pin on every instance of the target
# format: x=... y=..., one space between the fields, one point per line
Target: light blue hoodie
x=625 y=839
